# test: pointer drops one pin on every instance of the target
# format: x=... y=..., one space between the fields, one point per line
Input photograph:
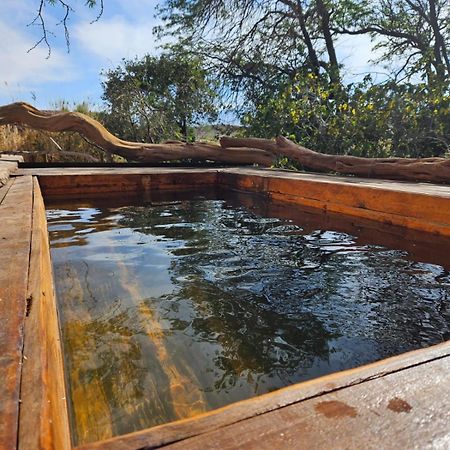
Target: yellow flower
x=370 y=107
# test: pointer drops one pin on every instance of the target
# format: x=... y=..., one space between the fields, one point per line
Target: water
x=178 y=307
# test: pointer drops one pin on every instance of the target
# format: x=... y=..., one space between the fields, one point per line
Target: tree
x=416 y=32
x=279 y=57
x=238 y=36
x=66 y=9
x=156 y=98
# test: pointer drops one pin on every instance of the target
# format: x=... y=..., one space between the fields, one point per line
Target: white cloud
x=20 y=70
x=115 y=38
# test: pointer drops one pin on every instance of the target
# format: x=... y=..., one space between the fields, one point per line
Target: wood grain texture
x=15 y=235
x=436 y=170
x=87 y=185
x=406 y=409
x=328 y=193
x=43 y=415
x=280 y=399
x=6 y=169
x=24 y=114
x=230 y=150
x=397 y=204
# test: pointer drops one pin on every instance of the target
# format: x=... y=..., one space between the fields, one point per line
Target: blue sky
x=124 y=31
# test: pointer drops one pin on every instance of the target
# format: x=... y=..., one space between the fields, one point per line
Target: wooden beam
x=403 y=409
x=15 y=236
x=215 y=422
x=43 y=414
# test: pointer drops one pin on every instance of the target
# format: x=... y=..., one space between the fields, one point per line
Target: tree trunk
x=24 y=114
x=436 y=170
x=325 y=26
x=231 y=150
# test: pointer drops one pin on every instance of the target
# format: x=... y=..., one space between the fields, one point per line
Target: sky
x=123 y=31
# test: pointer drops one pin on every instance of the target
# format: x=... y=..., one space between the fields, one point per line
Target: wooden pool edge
x=43 y=415
x=43 y=393
x=417 y=206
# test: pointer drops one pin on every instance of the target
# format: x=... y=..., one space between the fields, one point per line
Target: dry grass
x=39 y=146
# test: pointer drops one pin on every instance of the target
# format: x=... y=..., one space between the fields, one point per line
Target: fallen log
x=230 y=150
x=24 y=114
x=436 y=170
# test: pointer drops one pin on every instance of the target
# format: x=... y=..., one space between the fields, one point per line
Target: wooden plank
x=124 y=170
x=83 y=186
x=217 y=419
x=427 y=211
x=43 y=414
x=400 y=186
x=406 y=409
x=4 y=189
x=6 y=169
x=15 y=234
x=421 y=247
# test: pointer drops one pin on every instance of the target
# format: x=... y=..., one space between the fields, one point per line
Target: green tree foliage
x=237 y=36
x=364 y=119
x=278 y=57
x=415 y=32
x=158 y=98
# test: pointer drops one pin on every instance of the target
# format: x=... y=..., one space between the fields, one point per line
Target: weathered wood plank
x=83 y=186
x=43 y=415
x=15 y=234
x=217 y=419
x=390 y=203
x=6 y=169
x=406 y=409
x=4 y=189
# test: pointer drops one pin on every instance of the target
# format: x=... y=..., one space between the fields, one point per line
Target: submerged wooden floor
x=401 y=402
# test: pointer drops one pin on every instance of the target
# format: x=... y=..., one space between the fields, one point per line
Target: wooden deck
x=401 y=402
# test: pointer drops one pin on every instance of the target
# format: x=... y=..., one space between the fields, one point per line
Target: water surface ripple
x=175 y=308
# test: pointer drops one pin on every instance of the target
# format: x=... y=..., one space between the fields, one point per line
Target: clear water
x=175 y=308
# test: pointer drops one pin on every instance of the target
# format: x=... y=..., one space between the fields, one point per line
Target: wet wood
x=420 y=207
x=185 y=391
x=278 y=400
x=43 y=396
x=115 y=181
x=405 y=409
x=423 y=247
x=93 y=403
x=15 y=235
x=91 y=413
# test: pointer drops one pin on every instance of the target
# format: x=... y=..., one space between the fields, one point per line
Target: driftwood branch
x=436 y=170
x=24 y=114
x=231 y=150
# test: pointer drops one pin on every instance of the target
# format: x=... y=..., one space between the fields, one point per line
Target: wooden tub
x=398 y=402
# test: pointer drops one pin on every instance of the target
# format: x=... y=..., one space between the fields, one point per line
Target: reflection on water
x=175 y=308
